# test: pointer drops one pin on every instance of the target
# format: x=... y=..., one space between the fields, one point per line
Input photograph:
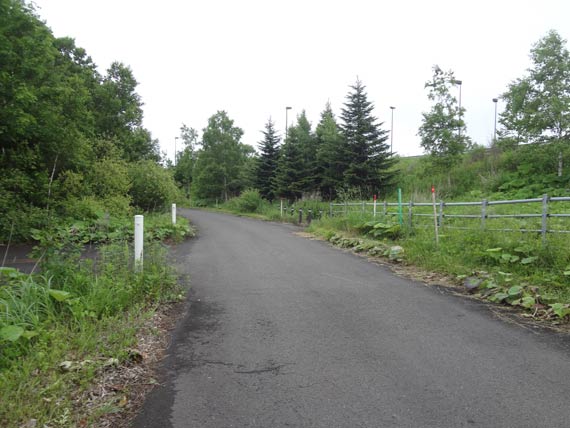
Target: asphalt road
x=284 y=331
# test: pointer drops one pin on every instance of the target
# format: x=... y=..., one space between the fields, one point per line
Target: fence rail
x=539 y=215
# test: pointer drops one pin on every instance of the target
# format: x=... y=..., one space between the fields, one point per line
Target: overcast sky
x=254 y=58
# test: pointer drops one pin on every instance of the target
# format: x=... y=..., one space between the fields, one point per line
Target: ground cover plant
x=61 y=328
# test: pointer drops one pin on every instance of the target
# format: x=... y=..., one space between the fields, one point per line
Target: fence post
x=173 y=213
x=483 y=213
x=374 y=209
x=281 y=207
x=345 y=208
x=139 y=241
x=385 y=208
x=309 y=217
x=544 y=217
x=400 y=211
x=331 y=209
x=441 y=204
x=363 y=206
x=410 y=214
x=300 y=215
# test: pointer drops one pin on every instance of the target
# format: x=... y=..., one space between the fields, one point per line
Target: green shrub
x=152 y=187
x=250 y=201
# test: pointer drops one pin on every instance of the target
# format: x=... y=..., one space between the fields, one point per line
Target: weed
x=58 y=328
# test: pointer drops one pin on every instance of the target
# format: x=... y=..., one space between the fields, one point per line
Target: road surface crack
x=275 y=368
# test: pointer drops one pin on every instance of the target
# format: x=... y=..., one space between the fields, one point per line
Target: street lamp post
x=459 y=82
x=495 y=100
x=392 y=130
x=175 y=138
x=287 y=119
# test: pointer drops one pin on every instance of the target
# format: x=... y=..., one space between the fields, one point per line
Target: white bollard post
x=173 y=213
x=139 y=240
x=281 y=207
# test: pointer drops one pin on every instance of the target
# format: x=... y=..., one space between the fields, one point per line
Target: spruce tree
x=266 y=168
x=307 y=143
x=289 y=176
x=368 y=160
x=330 y=159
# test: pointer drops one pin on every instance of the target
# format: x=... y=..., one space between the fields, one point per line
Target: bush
x=249 y=201
x=152 y=187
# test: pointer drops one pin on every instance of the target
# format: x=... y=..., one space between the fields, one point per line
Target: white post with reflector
x=374 y=205
x=173 y=213
x=434 y=215
x=139 y=242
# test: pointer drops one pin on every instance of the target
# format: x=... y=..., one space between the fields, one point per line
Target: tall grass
x=78 y=310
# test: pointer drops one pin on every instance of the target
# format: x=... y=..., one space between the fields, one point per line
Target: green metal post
x=400 y=210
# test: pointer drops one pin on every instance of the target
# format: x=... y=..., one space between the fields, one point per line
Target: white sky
x=254 y=58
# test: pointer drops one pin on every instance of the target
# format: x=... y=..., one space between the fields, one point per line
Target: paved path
x=288 y=332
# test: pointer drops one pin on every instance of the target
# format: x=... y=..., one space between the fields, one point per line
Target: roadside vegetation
x=76 y=165
x=511 y=268
x=62 y=327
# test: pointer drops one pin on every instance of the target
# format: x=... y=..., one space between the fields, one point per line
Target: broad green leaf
x=528 y=302
x=494 y=250
x=501 y=296
x=515 y=290
x=560 y=309
x=528 y=260
x=11 y=333
x=59 y=295
x=28 y=334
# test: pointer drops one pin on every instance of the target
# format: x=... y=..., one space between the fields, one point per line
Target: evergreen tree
x=289 y=176
x=443 y=132
x=307 y=143
x=266 y=167
x=368 y=160
x=330 y=158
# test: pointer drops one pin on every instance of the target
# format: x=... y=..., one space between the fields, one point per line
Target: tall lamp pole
x=495 y=100
x=392 y=130
x=459 y=82
x=287 y=119
x=175 y=138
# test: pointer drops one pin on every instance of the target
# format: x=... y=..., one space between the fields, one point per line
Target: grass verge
x=62 y=330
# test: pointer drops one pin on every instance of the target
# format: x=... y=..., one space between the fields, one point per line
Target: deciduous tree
x=537 y=106
x=442 y=132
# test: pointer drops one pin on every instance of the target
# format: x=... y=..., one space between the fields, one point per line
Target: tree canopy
x=60 y=120
x=219 y=169
x=537 y=106
x=442 y=132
